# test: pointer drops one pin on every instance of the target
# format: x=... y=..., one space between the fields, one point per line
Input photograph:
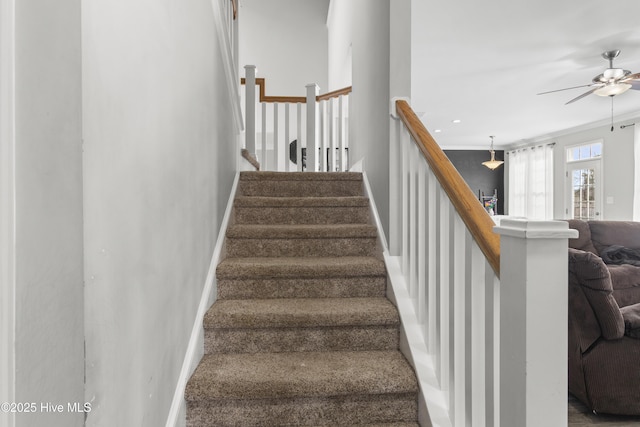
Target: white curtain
x=531 y=182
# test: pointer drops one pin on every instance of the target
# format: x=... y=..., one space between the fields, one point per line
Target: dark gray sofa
x=604 y=318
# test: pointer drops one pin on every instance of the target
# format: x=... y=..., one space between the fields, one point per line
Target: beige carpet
x=301 y=333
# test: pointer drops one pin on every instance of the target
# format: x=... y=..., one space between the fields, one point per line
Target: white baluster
x=331 y=140
x=476 y=333
x=491 y=287
x=422 y=235
x=404 y=171
x=287 y=139
x=277 y=159
x=341 y=154
x=442 y=280
x=433 y=308
x=458 y=373
x=250 y=109
x=299 y=138
x=322 y=135
x=264 y=137
x=312 y=127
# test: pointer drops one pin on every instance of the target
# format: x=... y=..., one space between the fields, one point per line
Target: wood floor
x=581 y=416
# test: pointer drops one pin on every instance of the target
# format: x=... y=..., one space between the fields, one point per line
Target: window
x=584 y=152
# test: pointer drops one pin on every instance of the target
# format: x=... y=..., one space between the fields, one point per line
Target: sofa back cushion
x=592 y=275
x=583 y=242
x=608 y=233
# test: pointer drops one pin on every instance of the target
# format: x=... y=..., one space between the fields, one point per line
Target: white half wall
x=159 y=161
x=287 y=41
x=49 y=345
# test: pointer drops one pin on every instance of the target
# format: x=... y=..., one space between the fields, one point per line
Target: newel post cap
x=531 y=229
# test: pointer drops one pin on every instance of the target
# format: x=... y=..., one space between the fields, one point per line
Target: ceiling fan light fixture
x=613 y=73
x=612 y=89
x=493 y=163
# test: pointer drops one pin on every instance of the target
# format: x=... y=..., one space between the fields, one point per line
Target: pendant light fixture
x=493 y=163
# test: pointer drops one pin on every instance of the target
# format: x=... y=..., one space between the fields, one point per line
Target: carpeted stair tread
x=378 y=425
x=310 y=231
x=296 y=184
x=301 y=202
x=310 y=374
x=321 y=287
x=300 y=267
x=299 y=176
x=304 y=312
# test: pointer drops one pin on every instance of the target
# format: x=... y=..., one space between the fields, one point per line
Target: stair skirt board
x=366 y=341
x=177 y=411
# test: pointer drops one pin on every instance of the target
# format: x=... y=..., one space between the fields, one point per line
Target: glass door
x=584 y=190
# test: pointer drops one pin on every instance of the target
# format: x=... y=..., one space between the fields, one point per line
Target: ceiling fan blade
x=633 y=80
x=583 y=95
x=566 y=88
x=626 y=79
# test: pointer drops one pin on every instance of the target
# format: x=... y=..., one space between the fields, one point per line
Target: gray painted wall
x=48 y=166
x=287 y=41
x=617 y=169
x=159 y=162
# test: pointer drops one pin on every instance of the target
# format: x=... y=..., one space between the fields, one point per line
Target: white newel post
x=312 y=126
x=533 y=322
x=250 y=109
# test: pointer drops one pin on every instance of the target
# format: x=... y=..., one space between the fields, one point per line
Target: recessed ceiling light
x=456 y=121
x=438 y=130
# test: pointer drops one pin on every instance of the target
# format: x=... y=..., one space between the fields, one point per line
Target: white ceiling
x=484 y=62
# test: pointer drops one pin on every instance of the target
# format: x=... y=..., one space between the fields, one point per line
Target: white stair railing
x=490 y=309
x=281 y=130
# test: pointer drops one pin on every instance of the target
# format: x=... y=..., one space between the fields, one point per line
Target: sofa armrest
x=631 y=316
x=591 y=274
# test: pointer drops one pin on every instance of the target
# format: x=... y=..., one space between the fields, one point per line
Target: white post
x=312 y=127
x=250 y=109
x=533 y=322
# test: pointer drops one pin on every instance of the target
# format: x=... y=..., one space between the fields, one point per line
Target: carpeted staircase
x=301 y=332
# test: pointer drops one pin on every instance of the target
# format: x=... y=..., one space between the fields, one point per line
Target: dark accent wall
x=479 y=177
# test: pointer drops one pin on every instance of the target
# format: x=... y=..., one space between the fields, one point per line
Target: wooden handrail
x=474 y=216
x=260 y=81
x=334 y=94
x=234 y=4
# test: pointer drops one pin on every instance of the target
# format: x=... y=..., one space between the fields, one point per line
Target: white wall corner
x=393 y=112
x=7 y=208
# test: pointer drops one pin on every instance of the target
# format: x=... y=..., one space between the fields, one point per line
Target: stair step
x=327 y=287
x=300 y=184
x=313 y=231
x=313 y=388
x=352 y=411
x=301 y=240
x=305 y=312
x=300 y=267
x=330 y=324
x=301 y=210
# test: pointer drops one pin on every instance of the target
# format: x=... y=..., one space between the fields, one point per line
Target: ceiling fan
x=612 y=82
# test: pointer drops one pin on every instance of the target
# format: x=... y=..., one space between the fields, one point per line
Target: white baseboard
x=195 y=348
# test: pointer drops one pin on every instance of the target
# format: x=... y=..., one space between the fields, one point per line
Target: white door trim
x=7 y=208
